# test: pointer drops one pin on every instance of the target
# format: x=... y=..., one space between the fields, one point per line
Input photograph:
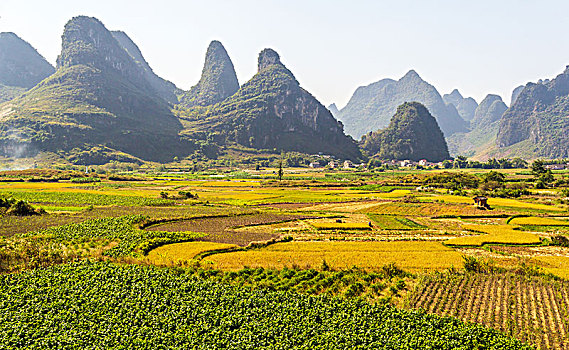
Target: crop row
x=85 y=198
x=131 y=240
x=530 y=308
x=106 y=306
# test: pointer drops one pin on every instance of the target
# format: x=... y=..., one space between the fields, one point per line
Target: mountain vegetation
x=489 y=111
x=165 y=89
x=413 y=134
x=218 y=80
x=372 y=106
x=98 y=96
x=271 y=111
x=21 y=66
x=536 y=125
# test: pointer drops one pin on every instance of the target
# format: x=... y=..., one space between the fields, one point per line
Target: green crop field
x=106 y=306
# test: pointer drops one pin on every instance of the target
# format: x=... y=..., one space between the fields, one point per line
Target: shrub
x=561 y=241
x=392 y=270
x=472 y=264
x=22 y=208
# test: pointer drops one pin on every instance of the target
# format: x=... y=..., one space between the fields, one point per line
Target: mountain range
x=104 y=102
x=21 y=66
x=537 y=123
x=371 y=107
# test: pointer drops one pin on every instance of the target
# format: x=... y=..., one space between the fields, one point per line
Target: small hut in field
x=481 y=202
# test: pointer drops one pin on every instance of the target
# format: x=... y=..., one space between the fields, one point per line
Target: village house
x=348 y=164
x=555 y=166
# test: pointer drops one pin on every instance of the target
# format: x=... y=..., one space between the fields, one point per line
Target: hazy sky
x=331 y=46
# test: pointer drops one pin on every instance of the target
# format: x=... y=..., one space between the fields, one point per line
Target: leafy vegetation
x=136 y=306
x=131 y=239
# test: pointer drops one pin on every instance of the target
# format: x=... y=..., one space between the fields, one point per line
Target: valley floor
x=382 y=239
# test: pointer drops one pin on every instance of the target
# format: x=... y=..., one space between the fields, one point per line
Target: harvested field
x=12 y=225
x=388 y=222
x=531 y=309
x=425 y=209
x=219 y=229
x=341 y=226
x=286 y=206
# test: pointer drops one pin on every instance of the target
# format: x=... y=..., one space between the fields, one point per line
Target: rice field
x=424 y=209
x=341 y=225
x=409 y=255
x=494 y=202
x=538 y=221
x=495 y=234
x=557 y=265
x=182 y=253
x=388 y=222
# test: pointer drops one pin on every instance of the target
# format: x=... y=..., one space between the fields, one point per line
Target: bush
x=561 y=241
x=472 y=264
x=22 y=208
x=392 y=270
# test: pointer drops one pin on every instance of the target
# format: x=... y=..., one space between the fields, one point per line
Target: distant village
x=329 y=162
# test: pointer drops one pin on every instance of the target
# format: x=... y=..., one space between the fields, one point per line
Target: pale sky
x=331 y=46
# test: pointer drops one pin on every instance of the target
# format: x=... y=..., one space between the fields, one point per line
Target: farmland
x=532 y=309
x=385 y=240
x=135 y=306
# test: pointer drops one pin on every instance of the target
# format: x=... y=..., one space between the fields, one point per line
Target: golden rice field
x=409 y=255
x=538 y=221
x=179 y=253
x=341 y=226
x=494 y=234
x=493 y=202
x=557 y=265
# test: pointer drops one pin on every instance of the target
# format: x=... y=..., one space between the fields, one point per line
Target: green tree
x=281 y=171
x=494 y=176
x=538 y=168
x=460 y=162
